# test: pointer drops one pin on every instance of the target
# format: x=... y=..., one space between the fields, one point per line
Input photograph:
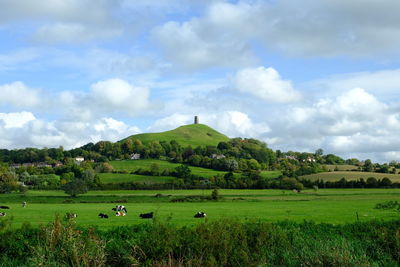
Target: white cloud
x=353 y=123
x=266 y=84
x=18 y=94
x=10 y=60
x=315 y=28
x=16 y=119
x=383 y=83
x=64 y=21
x=192 y=45
x=23 y=129
x=71 y=33
x=119 y=95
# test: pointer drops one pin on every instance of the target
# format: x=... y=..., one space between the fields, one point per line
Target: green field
x=133 y=165
x=194 y=135
x=126 y=178
x=348 y=175
x=326 y=205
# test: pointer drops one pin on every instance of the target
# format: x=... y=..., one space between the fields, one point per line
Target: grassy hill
x=336 y=176
x=193 y=134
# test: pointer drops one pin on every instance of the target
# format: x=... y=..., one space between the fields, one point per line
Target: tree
x=75 y=187
x=215 y=194
x=183 y=171
x=319 y=152
x=8 y=182
x=368 y=166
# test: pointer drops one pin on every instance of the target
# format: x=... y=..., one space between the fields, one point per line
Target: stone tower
x=196 y=120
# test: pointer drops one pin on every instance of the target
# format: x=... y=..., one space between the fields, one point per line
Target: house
x=135 y=156
x=79 y=160
x=218 y=156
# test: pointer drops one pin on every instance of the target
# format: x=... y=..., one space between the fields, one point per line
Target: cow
x=200 y=214
x=5 y=207
x=146 y=215
x=70 y=215
x=120 y=213
x=103 y=215
x=2 y=214
x=120 y=208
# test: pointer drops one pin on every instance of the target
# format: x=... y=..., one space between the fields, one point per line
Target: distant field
x=132 y=165
x=340 y=167
x=349 y=175
x=125 y=178
x=325 y=205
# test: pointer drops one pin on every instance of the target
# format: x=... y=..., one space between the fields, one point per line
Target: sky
x=320 y=74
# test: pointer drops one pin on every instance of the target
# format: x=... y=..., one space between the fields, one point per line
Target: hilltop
x=193 y=134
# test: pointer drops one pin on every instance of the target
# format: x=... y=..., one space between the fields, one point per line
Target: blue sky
x=323 y=74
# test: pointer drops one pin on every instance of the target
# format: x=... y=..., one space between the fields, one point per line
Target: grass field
x=326 y=205
x=335 y=176
x=132 y=165
x=125 y=178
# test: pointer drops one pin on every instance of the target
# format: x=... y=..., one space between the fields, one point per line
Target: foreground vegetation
x=224 y=242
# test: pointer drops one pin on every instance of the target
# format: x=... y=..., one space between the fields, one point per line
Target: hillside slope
x=193 y=134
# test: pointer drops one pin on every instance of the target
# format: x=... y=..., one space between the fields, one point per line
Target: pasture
x=133 y=165
x=335 y=206
x=350 y=175
x=125 y=178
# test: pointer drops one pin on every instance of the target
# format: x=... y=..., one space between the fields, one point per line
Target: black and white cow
x=200 y=214
x=3 y=214
x=146 y=215
x=120 y=208
x=5 y=207
x=103 y=215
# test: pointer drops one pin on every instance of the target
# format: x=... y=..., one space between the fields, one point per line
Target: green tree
x=215 y=195
x=75 y=187
x=8 y=182
x=183 y=171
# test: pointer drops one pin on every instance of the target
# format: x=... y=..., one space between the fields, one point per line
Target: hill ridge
x=191 y=134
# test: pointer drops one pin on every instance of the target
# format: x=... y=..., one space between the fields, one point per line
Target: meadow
x=133 y=165
x=335 y=206
x=350 y=175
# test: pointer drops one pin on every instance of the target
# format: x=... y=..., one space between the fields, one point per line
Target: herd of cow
x=120 y=210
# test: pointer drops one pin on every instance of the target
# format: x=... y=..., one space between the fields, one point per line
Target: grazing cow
x=103 y=215
x=200 y=214
x=70 y=215
x=120 y=213
x=146 y=215
x=5 y=207
x=120 y=208
x=2 y=214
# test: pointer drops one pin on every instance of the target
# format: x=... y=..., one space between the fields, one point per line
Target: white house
x=135 y=156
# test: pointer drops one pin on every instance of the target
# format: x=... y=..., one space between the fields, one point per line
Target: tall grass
x=225 y=242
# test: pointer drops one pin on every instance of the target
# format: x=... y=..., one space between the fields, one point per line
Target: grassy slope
x=194 y=135
x=325 y=205
x=349 y=175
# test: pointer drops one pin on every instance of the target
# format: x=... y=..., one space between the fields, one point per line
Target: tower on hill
x=196 y=120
